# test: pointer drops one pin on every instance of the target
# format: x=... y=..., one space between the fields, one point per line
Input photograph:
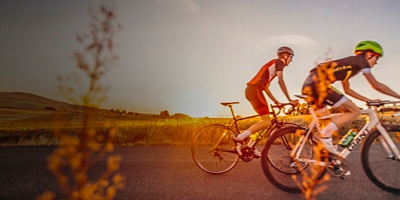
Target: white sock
x=244 y=135
x=328 y=130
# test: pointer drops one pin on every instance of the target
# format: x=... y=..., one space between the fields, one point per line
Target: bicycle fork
x=388 y=144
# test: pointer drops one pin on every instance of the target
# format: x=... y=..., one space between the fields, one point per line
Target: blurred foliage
x=78 y=153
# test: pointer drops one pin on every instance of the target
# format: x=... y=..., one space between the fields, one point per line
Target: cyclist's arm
x=349 y=91
x=283 y=86
x=270 y=94
x=380 y=86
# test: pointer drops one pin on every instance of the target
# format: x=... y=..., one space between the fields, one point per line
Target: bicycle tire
x=381 y=170
x=285 y=124
x=266 y=137
x=279 y=167
x=213 y=149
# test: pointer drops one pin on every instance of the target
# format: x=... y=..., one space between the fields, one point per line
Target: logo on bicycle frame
x=358 y=139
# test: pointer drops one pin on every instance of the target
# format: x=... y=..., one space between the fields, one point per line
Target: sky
x=187 y=56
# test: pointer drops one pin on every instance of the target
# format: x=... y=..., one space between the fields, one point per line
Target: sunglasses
x=376 y=55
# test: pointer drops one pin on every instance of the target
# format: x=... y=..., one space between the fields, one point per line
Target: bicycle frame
x=372 y=123
x=274 y=123
x=214 y=149
x=268 y=130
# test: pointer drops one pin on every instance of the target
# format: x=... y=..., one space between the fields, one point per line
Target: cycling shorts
x=257 y=99
x=321 y=93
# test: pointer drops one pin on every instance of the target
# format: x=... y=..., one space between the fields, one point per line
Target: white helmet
x=285 y=50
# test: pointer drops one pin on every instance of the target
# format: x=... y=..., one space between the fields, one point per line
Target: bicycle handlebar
x=282 y=107
x=381 y=103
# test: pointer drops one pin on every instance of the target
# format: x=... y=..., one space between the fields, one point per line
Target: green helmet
x=369 y=45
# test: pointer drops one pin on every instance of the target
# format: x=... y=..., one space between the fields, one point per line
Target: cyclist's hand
x=294 y=102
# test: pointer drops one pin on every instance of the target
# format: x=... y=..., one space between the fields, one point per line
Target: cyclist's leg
x=263 y=124
x=350 y=112
x=321 y=113
x=335 y=99
x=320 y=95
x=256 y=97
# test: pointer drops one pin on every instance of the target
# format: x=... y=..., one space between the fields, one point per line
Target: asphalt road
x=168 y=172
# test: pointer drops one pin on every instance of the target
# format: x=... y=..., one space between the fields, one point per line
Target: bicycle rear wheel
x=280 y=168
x=213 y=149
x=382 y=170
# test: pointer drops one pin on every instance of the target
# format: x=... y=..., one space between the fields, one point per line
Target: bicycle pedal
x=346 y=174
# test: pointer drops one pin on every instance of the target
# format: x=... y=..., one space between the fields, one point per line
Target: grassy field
x=38 y=127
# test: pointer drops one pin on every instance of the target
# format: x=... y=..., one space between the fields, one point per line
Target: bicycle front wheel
x=213 y=149
x=381 y=168
x=279 y=167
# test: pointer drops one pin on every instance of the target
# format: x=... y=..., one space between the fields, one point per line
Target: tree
x=164 y=113
x=180 y=115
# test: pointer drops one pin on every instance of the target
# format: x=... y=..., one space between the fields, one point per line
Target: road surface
x=169 y=172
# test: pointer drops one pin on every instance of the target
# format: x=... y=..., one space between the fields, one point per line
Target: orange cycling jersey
x=267 y=73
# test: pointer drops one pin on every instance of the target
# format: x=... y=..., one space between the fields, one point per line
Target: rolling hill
x=27 y=101
x=22 y=109
x=17 y=102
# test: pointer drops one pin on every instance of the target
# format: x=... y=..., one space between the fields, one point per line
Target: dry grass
x=33 y=128
x=36 y=127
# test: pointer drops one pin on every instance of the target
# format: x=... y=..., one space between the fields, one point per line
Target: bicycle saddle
x=301 y=96
x=229 y=103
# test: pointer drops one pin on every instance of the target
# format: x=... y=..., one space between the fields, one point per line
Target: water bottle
x=255 y=136
x=346 y=140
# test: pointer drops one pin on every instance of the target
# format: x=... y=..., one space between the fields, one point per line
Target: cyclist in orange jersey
x=254 y=93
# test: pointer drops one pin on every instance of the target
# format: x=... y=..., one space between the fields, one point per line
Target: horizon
x=70 y=104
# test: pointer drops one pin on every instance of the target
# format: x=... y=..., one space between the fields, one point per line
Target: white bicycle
x=290 y=153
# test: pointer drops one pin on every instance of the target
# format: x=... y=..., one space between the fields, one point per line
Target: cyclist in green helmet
x=320 y=92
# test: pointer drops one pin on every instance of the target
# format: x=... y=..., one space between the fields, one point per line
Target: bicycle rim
x=213 y=149
x=381 y=170
x=279 y=167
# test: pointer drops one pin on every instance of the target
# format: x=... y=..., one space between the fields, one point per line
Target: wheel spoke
x=381 y=170
x=279 y=167
x=212 y=149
